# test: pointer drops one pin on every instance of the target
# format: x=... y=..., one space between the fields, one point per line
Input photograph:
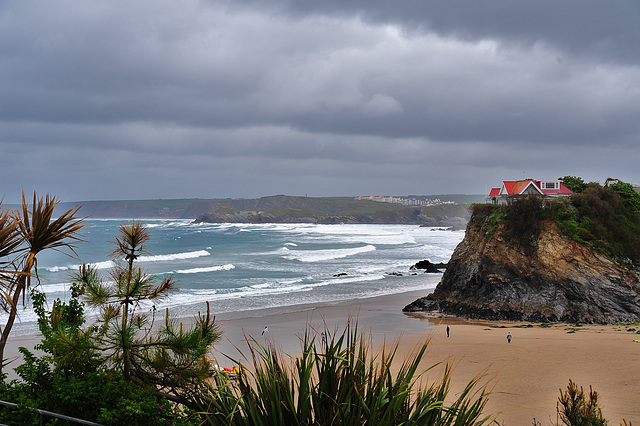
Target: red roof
x=508 y=186
x=517 y=187
x=521 y=185
x=563 y=190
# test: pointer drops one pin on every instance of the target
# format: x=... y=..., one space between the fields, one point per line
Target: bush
x=578 y=409
x=630 y=197
x=600 y=217
x=574 y=183
x=523 y=220
x=101 y=396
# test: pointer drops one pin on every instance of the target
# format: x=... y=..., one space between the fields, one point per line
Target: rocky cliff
x=554 y=279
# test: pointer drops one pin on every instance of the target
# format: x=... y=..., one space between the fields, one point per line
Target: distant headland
x=450 y=210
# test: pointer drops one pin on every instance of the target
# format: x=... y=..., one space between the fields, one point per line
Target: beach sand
x=525 y=376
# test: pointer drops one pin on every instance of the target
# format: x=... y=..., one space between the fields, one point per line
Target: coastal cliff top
x=574 y=259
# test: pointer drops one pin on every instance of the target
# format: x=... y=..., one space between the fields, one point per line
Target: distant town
x=405 y=201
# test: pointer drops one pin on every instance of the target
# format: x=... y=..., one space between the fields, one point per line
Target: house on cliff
x=517 y=188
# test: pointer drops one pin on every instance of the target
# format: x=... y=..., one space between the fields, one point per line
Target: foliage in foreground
x=340 y=383
x=24 y=234
x=122 y=370
x=170 y=358
x=578 y=409
x=74 y=383
x=102 y=396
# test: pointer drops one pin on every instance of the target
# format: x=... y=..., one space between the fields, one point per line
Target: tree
x=574 y=183
x=23 y=235
x=170 y=360
x=630 y=196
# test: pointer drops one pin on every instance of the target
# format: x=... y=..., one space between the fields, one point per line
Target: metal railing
x=50 y=414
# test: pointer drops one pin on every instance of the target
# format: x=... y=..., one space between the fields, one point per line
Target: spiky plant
x=24 y=234
x=580 y=409
x=170 y=358
x=341 y=383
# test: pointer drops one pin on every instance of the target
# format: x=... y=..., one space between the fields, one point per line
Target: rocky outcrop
x=429 y=267
x=556 y=279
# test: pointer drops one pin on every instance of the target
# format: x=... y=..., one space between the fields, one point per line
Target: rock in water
x=556 y=279
x=429 y=267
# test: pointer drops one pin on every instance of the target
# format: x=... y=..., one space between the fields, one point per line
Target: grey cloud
x=606 y=31
x=164 y=99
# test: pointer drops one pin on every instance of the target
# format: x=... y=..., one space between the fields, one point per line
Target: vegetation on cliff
x=573 y=259
x=605 y=218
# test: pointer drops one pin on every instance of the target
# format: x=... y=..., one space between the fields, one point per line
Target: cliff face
x=556 y=279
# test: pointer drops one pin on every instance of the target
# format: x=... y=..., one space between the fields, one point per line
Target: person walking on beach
x=447 y=331
x=509 y=337
x=265 y=330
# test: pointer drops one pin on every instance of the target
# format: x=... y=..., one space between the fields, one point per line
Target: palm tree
x=25 y=233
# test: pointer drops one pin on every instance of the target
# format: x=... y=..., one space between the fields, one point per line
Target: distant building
x=407 y=201
x=515 y=188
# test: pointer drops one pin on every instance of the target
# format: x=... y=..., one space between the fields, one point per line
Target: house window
x=550 y=185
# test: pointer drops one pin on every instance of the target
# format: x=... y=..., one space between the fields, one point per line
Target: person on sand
x=265 y=331
x=447 y=331
x=509 y=337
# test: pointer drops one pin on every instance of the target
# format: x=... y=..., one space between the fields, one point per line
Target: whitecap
x=320 y=255
x=56 y=268
x=175 y=256
x=227 y=267
x=100 y=265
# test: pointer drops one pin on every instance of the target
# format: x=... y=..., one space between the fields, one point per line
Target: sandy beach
x=524 y=376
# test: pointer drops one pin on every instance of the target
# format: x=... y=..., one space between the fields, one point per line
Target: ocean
x=242 y=268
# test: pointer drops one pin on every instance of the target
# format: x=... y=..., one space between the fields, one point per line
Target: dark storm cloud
x=245 y=98
x=605 y=31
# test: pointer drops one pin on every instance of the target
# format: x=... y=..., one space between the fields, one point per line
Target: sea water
x=240 y=268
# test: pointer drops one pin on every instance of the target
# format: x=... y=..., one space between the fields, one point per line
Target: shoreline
x=524 y=376
x=380 y=316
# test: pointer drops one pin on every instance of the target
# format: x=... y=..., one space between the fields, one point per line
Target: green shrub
x=599 y=217
x=578 y=409
x=574 y=183
x=630 y=197
x=101 y=396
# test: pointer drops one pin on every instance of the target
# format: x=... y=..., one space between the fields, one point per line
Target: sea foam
x=321 y=255
x=176 y=256
x=227 y=267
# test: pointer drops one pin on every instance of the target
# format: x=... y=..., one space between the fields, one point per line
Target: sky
x=148 y=99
